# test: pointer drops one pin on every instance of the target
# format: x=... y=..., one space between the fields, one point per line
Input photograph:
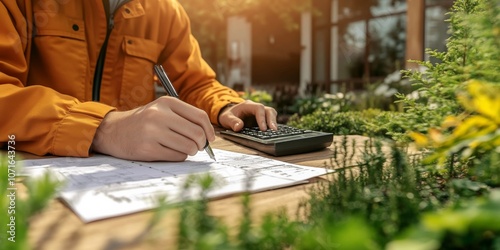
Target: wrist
x=223 y=109
x=102 y=136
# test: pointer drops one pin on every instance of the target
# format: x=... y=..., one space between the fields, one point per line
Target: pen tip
x=209 y=151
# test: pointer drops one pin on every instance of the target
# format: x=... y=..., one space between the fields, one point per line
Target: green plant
x=472 y=53
x=389 y=199
x=387 y=189
x=327 y=102
x=471 y=224
x=328 y=121
x=259 y=96
x=383 y=94
x=15 y=212
x=475 y=132
x=369 y=122
x=375 y=197
x=199 y=230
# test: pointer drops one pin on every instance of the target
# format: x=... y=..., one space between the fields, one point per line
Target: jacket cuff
x=75 y=132
x=217 y=108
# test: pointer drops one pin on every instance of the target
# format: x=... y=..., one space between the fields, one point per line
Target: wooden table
x=57 y=227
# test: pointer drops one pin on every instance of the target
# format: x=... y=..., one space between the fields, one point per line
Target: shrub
x=475 y=134
x=472 y=53
x=471 y=224
x=259 y=96
x=370 y=122
x=389 y=190
x=327 y=102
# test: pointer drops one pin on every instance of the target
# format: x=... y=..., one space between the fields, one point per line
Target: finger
x=229 y=120
x=183 y=129
x=196 y=116
x=271 y=118
x=192 y=120
x=166 y=154
x=260 y=117
x=180 y=143
x=160 y=142
x=164 y=123
x=154 y=151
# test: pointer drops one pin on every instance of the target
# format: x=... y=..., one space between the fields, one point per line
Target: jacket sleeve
x=42 y=120
x=192 y=77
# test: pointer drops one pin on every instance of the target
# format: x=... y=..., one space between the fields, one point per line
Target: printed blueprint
x=101 y=187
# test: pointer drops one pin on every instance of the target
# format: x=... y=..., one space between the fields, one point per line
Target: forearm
x=46 y=122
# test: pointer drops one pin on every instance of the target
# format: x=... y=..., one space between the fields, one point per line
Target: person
x=76 y=77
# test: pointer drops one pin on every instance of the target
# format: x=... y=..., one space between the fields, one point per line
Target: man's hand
x=166 y=129
x=236 y=116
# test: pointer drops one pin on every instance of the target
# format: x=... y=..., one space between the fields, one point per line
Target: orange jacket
x=47 y=69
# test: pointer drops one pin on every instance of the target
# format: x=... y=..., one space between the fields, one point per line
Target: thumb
x=233 y=122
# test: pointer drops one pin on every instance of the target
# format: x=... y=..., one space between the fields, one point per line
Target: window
x=436 y=27
x=356 y=42
x=367 y=41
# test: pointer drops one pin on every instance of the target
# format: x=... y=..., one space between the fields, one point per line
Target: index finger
x=194 y=115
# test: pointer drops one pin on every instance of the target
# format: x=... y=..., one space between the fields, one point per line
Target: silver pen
x=171 y=91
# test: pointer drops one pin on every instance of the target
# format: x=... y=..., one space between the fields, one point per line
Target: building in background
x=239 y=53
x=351 y=43
x=343 y=45
x=261 y=55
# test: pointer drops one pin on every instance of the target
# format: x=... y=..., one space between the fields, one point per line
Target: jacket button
x=127 y=10
x=129 y=41
x=75 y=27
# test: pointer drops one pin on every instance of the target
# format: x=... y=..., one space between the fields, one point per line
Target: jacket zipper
x=99 y=68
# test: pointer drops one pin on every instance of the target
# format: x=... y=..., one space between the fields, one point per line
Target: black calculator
x=286 y=140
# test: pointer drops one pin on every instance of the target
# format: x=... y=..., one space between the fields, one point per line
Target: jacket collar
x=129 y=9
x=132 y=9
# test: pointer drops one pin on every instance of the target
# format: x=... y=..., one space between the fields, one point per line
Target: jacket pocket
x=138 y=82
x=60 y=57
x=47 y=24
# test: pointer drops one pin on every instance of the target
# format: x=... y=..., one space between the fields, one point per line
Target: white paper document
x=101 y=187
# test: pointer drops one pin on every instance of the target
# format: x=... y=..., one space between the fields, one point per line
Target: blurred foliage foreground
x=443 y=195
x=16 y=210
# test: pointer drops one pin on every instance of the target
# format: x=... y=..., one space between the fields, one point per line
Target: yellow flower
x=420 y=139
